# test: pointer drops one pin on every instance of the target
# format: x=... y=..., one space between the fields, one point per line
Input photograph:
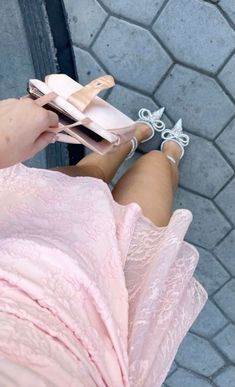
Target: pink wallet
x=85 y=118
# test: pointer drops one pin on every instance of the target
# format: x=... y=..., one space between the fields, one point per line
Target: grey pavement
x=180 y=54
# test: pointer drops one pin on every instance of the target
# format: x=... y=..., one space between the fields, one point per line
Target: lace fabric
x=83 y=282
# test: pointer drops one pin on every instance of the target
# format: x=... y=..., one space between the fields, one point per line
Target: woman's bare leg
x=103 y=166
x=151 y=182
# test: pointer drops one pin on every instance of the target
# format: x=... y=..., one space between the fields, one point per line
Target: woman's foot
x=146 y=127
x=170 y=148
x=172 y=151
x=152 y=120
x=174 y=140
x=142 y=132
x=178 y=141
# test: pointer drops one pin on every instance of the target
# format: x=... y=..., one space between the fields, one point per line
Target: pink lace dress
x=91 y=292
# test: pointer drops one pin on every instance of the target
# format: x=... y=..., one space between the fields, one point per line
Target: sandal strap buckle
x=134 y=146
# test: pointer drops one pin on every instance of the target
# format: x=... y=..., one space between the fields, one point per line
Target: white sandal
x=175 y=134
x=153 y=120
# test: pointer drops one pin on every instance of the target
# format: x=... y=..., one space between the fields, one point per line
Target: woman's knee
x=156 y=157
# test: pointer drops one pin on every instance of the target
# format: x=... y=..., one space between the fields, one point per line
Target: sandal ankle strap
x=134 y=146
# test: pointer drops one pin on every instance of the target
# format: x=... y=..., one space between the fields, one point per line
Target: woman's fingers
x=45 y=99
x=46 y=118
x=53 y=119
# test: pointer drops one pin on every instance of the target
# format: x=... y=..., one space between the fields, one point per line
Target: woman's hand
x=25 y=129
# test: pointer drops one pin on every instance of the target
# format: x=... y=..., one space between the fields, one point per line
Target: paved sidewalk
x=180 y=54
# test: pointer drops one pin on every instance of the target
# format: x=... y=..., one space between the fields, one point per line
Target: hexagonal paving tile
x=128 y=51
x=209 y=272
x=130 y=102
x=137 y=10
x=225 y=200
x=210 y=171
x=209 y=322
x=84 y=18
x=172 y=369
x=225 y=251
x=189 y=28
x=182 y=378
x=225 y=299
x=225 y=341
x=226 y=140
x=193 y=352
x=226 y=378
x=198 y=99
x=88 y=68
x=227 y=76
x=208 y=226
x=228 y=7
